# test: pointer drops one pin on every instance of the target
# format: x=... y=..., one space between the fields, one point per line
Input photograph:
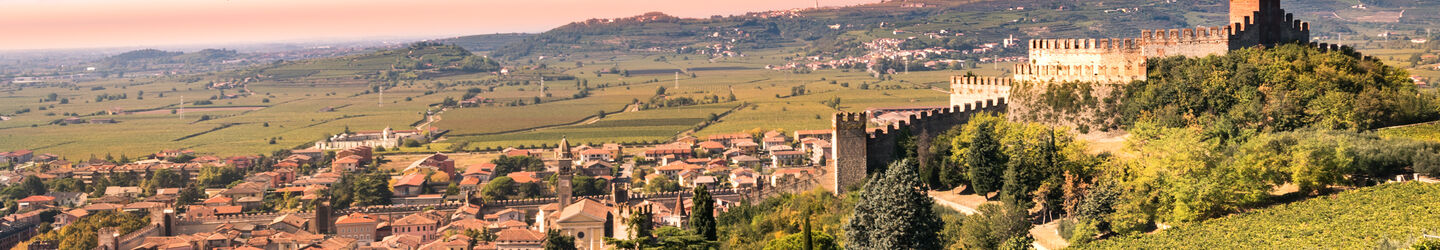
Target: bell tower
x=563 y=172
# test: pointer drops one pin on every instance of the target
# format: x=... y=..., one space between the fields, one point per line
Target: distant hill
x=420 y=60
x=484 y=43
x=840 y=31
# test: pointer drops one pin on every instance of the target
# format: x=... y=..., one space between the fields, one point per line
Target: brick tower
x=1239 y=9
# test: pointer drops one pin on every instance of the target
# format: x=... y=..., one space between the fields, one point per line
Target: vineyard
x=1357 y=219
x=1423 y=132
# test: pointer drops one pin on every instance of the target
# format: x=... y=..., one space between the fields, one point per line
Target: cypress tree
x=702 y=214
x=894 y=213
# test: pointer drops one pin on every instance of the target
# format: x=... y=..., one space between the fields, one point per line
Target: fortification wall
x=967 y=90
x=860 y=150
x=1085 y=106
x=1198 y=42
x=1084 y=51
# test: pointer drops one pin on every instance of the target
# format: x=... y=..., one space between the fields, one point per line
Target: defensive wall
x=860 y=150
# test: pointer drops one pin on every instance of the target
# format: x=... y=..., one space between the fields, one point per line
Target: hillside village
x=285 y=201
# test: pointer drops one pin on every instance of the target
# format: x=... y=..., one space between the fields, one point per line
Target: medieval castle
x=1118 y=61
x=860 y=150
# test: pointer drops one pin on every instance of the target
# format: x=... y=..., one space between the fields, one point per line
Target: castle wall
x=860 y=150
x=1197 y=42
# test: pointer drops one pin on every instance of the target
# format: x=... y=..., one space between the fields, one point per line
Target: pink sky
x=47 y=24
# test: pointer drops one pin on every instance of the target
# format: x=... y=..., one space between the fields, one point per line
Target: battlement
x=1347 y=50
x=1210 y=35
x=1125 y=73
x=968 y=90
x=920 y=118
x=1084 y=44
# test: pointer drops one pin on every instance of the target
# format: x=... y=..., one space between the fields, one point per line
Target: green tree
x=702 y=213
x=555 y=240
x=979 y=150
x=33 y=186
x=216 y=176
x=164 y=178
x=997 y=226
x=498 y=189
x=894 y=213
x=821 y=241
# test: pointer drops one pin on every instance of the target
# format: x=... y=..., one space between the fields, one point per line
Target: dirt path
x=1047 y=236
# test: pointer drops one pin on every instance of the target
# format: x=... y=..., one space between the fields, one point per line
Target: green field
x=1357 y=219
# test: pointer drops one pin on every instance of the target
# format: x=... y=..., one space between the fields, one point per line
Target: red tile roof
x=415 y=179
x=37 y=198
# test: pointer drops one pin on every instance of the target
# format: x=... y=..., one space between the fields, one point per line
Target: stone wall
x=860 y=150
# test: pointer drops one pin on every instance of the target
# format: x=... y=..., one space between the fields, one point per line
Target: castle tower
x=321 y=223
x=563 y=173
x=619 y=193
x=1239 y=9
x=848 y=162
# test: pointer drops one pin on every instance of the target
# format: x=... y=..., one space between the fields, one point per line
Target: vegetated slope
x=485 y=43
x=417 y=61
x=1353 y=220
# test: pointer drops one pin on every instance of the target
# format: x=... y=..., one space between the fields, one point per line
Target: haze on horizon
x=66 y=24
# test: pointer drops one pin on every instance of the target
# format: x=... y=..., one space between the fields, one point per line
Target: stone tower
x=848 y=162
x=563 y=173
x=321 y=223
x=1239 y=9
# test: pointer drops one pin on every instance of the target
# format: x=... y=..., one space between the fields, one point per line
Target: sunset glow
x=34 y=24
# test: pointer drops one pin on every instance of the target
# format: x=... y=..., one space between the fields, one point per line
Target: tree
x=640 y=221
x=33 y=186
x=894 y=213
x=164 y=178
x=189 y=195
x=997 y=226
x=506 y=164
x=216 y=176
x=661 y=184
x=555 y=240
x=980 y=151
x=498 y=189
x=702 y=213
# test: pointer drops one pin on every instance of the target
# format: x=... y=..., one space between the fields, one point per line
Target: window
x=580 y=235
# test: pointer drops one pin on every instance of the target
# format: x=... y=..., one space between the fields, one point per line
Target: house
x=422 y=224
x=703 y=180
x=508 y=214
x=771 y=142
x=745 y=145
x=729 y=138
x=289 y=223
x=347 y=163
x=17 y=156
x=669 y=152
x=596 y=154
x=68 y=217
x=616 y=150
x=519 y=238
x=172 y=153
x=786 y=158
x=358 y=226
x=595 y=168
x=69 y=199
x=246 y=189
x=410 y=185
x=712 y=147
x=122 y=191
x=746 y=161
x=364 y=152
x=482 y=171
x=817 y=134
x=438 y=162
x=218 y=201
x=35 y=201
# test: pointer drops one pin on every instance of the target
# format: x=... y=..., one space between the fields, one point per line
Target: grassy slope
x=1351 y=220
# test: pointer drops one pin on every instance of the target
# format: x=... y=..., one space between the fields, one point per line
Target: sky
x=62 y=24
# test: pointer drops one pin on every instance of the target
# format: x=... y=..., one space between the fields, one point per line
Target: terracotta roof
x=37 y=198
x=355 y=218
x=590 y=209
x=416 y=219
x=519 y=235
x=510 y=224
x=482 y=169
x=353 y=159
x=787 y=153
x=470 y=181
x=219 y=199
x=523 y=177
x=812 y=132
x=711 y=145
x=228 y=209
x=415 y=179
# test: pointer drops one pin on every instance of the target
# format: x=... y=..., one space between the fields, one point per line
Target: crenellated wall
x=860 y=150
x=1198 y=42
